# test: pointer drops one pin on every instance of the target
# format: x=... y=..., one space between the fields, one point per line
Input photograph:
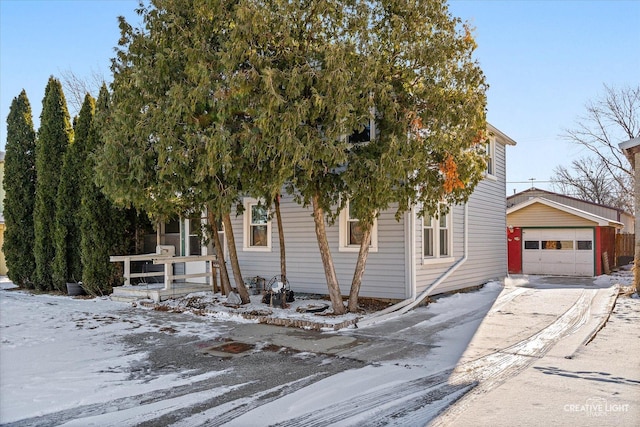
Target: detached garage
x=549 y=238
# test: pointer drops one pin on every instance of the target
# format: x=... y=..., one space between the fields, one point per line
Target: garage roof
x=601 y=221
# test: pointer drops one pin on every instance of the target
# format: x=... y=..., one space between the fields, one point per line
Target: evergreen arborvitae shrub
x=54 y=135
x=103 y=226
x=67 y=264
x=19 y=184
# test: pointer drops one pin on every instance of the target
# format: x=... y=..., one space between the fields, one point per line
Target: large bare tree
x=610 y=119
x=589 y=179
x=76 y=87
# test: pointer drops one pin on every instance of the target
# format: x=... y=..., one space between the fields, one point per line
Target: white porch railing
x=127 y=259
x=167 y=261
x=169 y=277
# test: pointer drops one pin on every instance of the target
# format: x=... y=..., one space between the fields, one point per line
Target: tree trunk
x=359 y=271
x=224 y=275
x=283 y=255
x=327 y=261
x=233 y=257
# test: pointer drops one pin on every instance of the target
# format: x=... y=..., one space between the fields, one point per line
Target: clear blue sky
x=543 y=61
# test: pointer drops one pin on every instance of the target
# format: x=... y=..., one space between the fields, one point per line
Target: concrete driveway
x=569 y=354
x=504 y=355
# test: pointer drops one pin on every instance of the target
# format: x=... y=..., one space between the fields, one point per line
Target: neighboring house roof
x=501 y=136
x=601 y=221
x=629 y=148
x=538 y=191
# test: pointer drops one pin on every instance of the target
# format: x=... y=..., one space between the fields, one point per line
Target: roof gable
x=601 y=221
x=564 y=196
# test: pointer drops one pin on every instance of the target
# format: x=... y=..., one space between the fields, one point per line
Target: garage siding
x=539 y=215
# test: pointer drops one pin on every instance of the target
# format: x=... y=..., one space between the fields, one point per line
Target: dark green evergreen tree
x=19 y=185
x=105 y=229
x=53 y=138
x=67 y=264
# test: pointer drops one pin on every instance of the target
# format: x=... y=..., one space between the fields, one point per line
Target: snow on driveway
x=59 y=353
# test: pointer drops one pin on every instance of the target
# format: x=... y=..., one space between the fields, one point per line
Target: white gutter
x=410 y=303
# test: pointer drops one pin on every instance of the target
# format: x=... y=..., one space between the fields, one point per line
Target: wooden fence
x=625 y=247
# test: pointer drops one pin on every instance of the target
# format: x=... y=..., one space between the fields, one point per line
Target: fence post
x=168 y=276
x=127 y=271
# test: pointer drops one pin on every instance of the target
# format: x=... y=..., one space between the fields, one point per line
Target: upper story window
x=437 y=237
x=350 y=233
x=257 y=226
x=490 y=151
x=359 y=137
x=367 y=134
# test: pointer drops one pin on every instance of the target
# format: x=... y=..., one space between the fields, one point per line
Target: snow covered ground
x=58 y=352
x=67 y=361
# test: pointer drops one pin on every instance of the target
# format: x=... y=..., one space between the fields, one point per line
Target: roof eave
x=506 y=140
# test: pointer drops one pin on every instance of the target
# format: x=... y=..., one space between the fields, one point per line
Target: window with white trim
x=437 y=237
x=367 y=134
x=490 y=152
x=364 y=136
x=257 y=226
x=350 y=233
x=195 y=235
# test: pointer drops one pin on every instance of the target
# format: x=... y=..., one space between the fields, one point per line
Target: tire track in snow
x=494 y=369
x=413 y=402
x=187 y=386
x=506 y=297
x=423 y=398
x=228 y=411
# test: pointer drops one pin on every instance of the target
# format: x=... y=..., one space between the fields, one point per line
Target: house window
x=350 y=233
x=490 y=157
x=437 y=237
x=171 y=235
x=257 y=226
x=367 y=134
x=195 y=244
x=359 y=137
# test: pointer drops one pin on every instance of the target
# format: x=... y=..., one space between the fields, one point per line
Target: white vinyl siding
x=384 y=277
x=487 y=243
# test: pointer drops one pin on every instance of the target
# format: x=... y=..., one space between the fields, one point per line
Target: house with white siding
x=408 y=258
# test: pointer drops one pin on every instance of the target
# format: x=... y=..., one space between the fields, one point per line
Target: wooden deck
x=156 y=291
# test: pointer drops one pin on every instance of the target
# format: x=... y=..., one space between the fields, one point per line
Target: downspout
x=410 y=303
